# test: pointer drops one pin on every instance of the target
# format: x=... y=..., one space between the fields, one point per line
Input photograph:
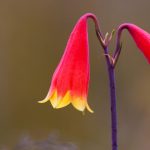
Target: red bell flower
x=141 y=38
x=70 y=80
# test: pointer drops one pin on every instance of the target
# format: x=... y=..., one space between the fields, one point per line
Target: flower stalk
x=112 y=89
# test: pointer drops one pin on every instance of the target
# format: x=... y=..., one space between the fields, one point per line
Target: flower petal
x=80 y=104
x=141 y=38
x=70 y=80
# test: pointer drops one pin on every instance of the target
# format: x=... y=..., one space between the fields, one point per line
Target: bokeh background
x=33 y=35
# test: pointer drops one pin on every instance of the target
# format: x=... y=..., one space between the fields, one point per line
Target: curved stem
x=118 y=44
x=99 y=34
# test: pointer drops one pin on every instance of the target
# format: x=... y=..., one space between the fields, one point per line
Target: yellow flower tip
x=54 y=99
x=81 y=104
x=64 y=101
x=59 y=101
x=88 y=108
x=43 y=101
x=49 y=96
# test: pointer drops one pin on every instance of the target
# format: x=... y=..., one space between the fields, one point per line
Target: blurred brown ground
x=33 y=35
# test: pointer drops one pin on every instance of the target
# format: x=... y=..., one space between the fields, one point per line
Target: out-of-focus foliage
x=51 y=143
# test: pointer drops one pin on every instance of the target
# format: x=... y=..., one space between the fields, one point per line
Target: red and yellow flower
x=70 y=80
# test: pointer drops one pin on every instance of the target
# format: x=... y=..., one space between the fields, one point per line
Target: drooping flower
x=141 y=38
x=70 y=80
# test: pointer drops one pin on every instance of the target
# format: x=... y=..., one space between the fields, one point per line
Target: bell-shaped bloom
x=141 y=38
x=70 y=80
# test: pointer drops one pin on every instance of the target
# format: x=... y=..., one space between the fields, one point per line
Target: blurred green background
x=33 y=35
